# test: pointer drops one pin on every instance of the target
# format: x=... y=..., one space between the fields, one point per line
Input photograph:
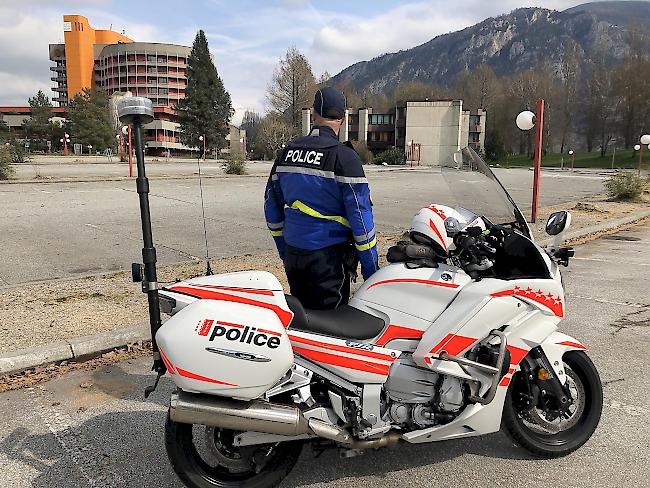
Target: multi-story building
x=109 y=61
x=437 y=128
x=75 y=59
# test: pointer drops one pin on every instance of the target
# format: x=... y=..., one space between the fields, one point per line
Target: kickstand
x=150 y=389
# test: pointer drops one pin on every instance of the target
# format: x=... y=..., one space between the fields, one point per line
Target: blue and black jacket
x=318 y=196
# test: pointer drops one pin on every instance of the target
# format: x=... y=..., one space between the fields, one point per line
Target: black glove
x=496 y=236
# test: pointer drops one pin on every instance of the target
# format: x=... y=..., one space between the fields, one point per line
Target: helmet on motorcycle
x=428 y=228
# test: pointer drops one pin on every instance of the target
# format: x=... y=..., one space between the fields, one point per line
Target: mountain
x=509 y=43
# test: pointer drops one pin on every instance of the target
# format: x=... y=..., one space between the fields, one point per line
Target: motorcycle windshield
x=472 y=185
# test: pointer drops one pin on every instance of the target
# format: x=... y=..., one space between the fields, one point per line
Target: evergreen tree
x=207 y=107
x=39 y=127
x=90 y=121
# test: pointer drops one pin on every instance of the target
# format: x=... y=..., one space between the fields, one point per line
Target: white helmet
x=428 y=227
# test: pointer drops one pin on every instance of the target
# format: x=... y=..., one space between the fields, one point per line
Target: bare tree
x=602 y=104
x=273 y=133
x=631 y=85
x=568 y=88
x=292 y=87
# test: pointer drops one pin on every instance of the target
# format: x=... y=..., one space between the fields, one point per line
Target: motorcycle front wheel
x=205 y=457
x=545 y=433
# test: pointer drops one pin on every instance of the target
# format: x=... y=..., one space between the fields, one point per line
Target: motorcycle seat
x=345 y=321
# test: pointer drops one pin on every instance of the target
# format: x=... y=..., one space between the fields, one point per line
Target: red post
x=130 y=154
x=65 y=146
x=537 y=169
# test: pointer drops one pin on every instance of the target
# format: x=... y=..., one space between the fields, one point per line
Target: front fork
x=543 y=381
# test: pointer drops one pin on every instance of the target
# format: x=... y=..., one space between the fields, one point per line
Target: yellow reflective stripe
x=276 y=233
x=365 y=247
x=301 y=207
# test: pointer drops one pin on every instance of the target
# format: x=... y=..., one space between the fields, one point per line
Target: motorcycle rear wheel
x=543 y=437
x=210 y=460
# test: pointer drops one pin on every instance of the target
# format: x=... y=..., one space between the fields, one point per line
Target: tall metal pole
x=139 y=111
x=539 y=130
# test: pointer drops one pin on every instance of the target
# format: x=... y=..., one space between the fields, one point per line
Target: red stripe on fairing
x=435 y=229
x=241 y=290
x=504 y=293
x=266 y=331
x=198 y=377
x=505 y=381
x=549 y=300
x=571 y=344
x=230 y=324
x=453 y=344
x=411 y=280
x=344 y=362
x=336 y=347
x=168 y=363
x=284 y=315
x=516 y=354
x=398 y=332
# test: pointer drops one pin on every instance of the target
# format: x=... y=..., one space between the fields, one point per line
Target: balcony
x=476 y=128
x=59 y=78
x=60 y=68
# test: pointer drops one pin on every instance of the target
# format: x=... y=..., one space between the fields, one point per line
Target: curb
x=54 y=181
x=86 y=347
x=76 y=349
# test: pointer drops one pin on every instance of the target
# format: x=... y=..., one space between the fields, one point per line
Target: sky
x=246 y=37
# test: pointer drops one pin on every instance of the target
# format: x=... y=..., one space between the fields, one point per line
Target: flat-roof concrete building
x=437 y=128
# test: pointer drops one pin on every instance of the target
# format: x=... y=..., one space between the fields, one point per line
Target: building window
x=381 y=119
x=474 y=120
x=151 y=58
x=162 y=81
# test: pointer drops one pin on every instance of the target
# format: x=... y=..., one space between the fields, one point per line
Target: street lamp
x=645 y=140
x=65 y=141
x=573 y=158
x=526 y=120
x=202 y=139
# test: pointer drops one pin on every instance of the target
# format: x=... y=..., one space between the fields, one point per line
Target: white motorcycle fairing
x=227 y=338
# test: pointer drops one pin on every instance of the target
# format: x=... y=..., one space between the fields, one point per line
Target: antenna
x=208 y=270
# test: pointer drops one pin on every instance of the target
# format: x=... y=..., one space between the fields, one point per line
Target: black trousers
x=320 y=278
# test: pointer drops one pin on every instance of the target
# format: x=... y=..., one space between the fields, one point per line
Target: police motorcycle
x=456 y=337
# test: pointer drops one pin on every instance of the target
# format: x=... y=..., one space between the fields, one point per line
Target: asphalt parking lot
x=94 y=429
x=59 y=230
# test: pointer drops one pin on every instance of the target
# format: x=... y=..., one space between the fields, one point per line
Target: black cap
x=330 y=103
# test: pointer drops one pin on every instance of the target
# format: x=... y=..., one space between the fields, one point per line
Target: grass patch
x=624 y=159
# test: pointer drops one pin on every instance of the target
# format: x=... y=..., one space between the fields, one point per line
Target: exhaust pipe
x=257 y=416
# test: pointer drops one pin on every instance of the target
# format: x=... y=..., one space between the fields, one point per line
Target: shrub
x=6 y=170
x=391 y=156
x=624 y=186
x=234 y=167
x=362 y=150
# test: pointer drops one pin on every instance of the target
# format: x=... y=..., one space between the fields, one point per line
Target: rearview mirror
x=557 y=222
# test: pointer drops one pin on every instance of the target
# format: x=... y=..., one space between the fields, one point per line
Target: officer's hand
x=496 y=236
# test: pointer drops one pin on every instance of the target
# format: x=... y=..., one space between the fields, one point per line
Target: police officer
x=318 y=209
